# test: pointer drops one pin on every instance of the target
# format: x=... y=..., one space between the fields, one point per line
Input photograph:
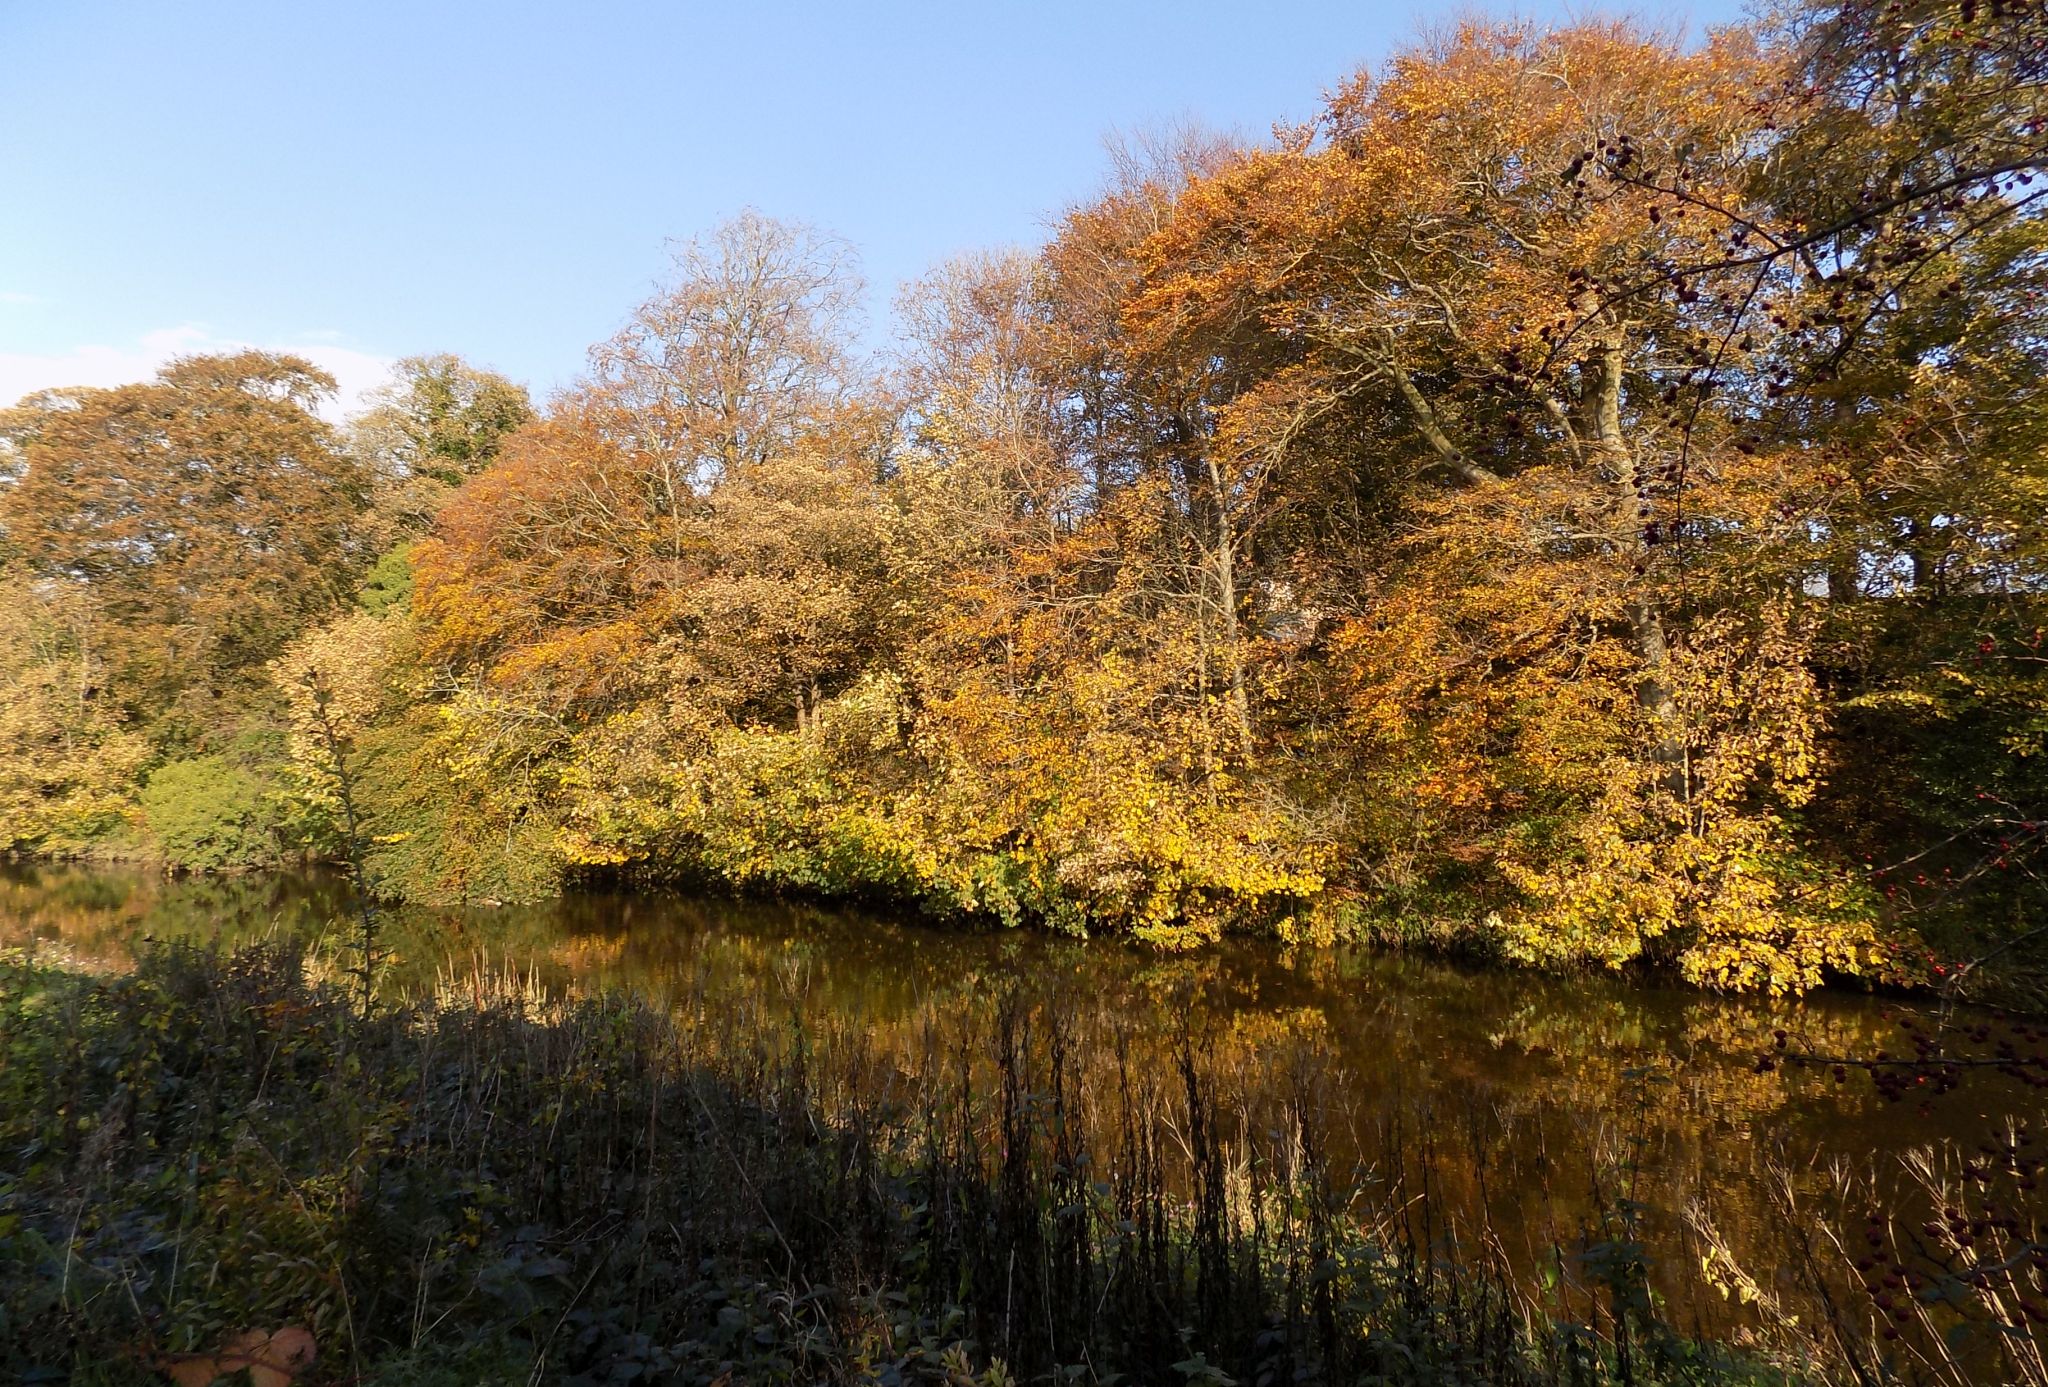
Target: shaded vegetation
x=486 y=1185
x=489 y=1187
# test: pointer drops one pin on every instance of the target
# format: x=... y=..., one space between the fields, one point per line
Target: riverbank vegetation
x=490 y=1186
x=1577 y=500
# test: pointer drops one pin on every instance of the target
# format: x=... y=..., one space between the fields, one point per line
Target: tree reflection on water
x=1510 y=1113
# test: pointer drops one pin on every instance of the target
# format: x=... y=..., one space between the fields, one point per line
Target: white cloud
x=354 y=372
x=17 y=297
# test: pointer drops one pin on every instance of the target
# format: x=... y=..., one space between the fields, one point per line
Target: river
x=1538 y=1100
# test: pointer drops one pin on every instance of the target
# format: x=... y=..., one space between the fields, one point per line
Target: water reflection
x=1528 y=1092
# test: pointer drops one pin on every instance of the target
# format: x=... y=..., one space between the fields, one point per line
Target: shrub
x=208 y=814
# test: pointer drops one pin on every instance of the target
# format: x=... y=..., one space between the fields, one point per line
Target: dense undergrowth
x=492 y=1187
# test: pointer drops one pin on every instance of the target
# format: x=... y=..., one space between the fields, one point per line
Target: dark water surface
x=1527 y=1103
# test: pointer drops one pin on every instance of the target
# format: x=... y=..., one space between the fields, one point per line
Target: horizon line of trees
x=1580 y=499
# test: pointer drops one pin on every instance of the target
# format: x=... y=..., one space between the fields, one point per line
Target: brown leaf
x=271 y=1359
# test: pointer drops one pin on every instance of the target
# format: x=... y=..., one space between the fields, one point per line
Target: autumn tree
x=1873 y=303
x=1142 y=419
x=208 y=515
x=437 y=422
x=1080 y=679
x=1429 y=259
x=69 y=754
x=1579 y=497
x=986 y=456
x=1903 y=251
x=691 y=538
x=745 y=348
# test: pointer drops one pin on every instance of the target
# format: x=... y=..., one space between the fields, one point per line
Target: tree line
x=1579 y=499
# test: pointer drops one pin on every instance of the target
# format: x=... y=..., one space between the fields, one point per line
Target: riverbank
x=1431 y=929
x=488 y=1185
x=502 y=1189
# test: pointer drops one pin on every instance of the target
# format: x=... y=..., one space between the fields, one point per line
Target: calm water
x=1528 y=1091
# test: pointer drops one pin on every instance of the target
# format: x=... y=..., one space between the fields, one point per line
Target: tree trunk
x=1843 y=584
x=1926 y=567
x=1602 y=421
x=1226 y=598
x=1646 y=622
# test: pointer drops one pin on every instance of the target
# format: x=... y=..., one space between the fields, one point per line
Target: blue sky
x=363 y=179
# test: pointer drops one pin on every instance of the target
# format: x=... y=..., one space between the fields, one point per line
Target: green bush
x=208 y=814
x=388 y=584
x=437 y=839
